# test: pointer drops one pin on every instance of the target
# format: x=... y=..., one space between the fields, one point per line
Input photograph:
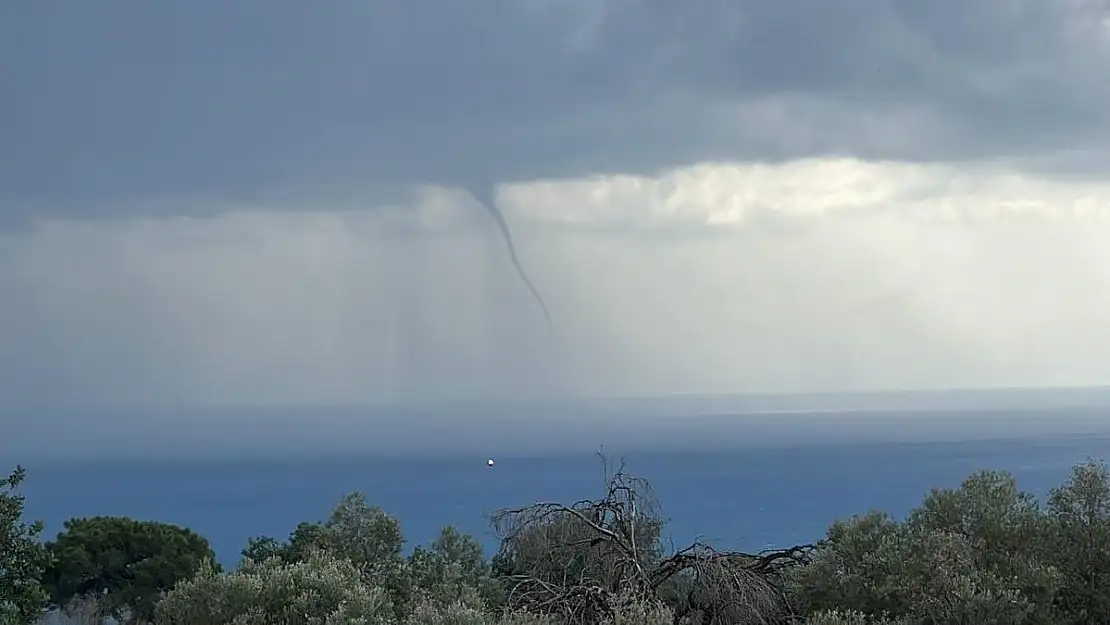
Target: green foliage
x=262 y=548
x=304 y=539
x=22 y=557
x=462 y=614
x=969 y=555
x=1078 y=543
x=850 y=617
x=853 y=572
x=366 y=535
x=454 y=613
x=525 y=618
x=453 y=571
x=984 y=553
x=316 y=590
x=355 y=530
x=123 y=563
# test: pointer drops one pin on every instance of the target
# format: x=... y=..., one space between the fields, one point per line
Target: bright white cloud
x=807 y=275
x=726 y=194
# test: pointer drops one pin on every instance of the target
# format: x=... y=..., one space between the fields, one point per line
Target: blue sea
x=746 y=492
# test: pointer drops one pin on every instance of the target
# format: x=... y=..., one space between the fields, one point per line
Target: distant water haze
x=531 y=428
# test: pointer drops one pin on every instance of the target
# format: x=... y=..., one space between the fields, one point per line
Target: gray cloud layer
x=810 y=275
x=114 y=102
x=224 y=216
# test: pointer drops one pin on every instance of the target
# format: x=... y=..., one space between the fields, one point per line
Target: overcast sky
x=279 y=202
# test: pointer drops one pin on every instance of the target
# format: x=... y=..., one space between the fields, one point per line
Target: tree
x=355 y=531
x=262 y=548
x=852 y=566
x=452 y=570
x=366 y=535
x=319 y=589
x=598 y=561
x=22 y=557
x=1079 y=543
x=453 y=549
x=305 y=538
x=123 y=564
x=966 y=555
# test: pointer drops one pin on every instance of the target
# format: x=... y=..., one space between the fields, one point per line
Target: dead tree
x=581 y=561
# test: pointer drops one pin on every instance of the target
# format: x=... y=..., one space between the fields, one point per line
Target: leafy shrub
x=966 y=555
x=452 y=570
x=850 y=617
x=317 y=590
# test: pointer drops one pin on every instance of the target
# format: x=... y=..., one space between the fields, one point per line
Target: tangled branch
x=582 y=560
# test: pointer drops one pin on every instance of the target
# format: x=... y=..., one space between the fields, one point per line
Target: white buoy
x=489 y=463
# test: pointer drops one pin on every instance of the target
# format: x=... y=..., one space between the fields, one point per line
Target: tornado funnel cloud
x=485 y=198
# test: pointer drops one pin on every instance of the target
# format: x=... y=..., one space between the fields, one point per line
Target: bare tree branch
x=580 y=560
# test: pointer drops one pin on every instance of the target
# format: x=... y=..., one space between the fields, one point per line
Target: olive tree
x=453 y=570
x=355 y=531
x=966 y=555
x=364 y=534
x=319 y=589
x=1079 y=543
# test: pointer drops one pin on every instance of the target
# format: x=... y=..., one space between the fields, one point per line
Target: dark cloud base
x=213 y=102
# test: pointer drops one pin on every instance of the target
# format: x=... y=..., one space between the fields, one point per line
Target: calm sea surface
x=748 y=498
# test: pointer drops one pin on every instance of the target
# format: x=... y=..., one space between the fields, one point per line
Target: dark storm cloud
x=111 y=103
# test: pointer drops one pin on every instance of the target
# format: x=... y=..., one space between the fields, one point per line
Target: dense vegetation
x=985 y=553
x=23 y=559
